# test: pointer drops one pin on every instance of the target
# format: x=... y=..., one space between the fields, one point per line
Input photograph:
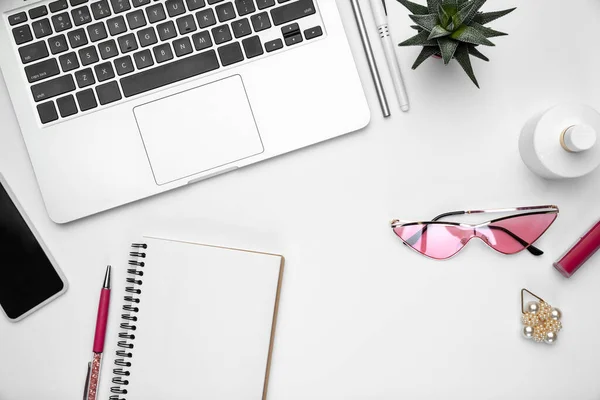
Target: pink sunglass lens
x=514 y=234
x=437 y=241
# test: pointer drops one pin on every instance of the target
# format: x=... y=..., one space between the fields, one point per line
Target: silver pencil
x=362 y=30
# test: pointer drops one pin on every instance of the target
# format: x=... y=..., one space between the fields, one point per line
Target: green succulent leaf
x=469 y=34
x=414 y=7
x=447 y=48
x=432 y=5
x=416 y=27
x=427 y=22
x=419 y=39
x=488 y=33
x=426 y=52
x=437 y=32
x=475 y=6
x=462 y=56
x=443 y=16
x=462 y=14
x=486 y=18
x=476 y=53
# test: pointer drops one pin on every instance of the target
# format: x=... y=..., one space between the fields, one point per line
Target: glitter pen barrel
x=93 y=372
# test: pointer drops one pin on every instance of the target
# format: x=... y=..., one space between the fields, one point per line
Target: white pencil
x=380 y=15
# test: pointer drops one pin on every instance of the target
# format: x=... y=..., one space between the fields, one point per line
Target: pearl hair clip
x=541 y=321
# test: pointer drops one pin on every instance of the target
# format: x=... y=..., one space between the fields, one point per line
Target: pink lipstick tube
x=580 y=252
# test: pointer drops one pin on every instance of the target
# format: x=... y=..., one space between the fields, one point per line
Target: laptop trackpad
x=198 y=130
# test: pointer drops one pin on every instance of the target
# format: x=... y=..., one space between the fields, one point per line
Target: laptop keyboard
x=82 y=55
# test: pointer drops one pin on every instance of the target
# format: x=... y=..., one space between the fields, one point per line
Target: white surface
x=203 y=312
x=103 y=163
x=186 y=146
x=361 y=316
x=540 y=147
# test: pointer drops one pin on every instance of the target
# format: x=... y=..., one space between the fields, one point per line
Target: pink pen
x=93 y=373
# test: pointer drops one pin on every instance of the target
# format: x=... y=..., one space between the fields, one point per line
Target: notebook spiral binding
x=129 y=318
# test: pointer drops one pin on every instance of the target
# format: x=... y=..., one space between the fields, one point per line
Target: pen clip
x=384 y=7
x=87 y=381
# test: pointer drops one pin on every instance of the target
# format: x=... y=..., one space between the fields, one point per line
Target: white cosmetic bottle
x=563 y=142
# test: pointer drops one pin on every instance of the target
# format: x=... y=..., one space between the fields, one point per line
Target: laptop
x=118 y=100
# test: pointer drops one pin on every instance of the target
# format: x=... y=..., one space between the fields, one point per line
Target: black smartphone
x=29 y=277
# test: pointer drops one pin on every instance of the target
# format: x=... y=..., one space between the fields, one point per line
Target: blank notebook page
x=205 y=323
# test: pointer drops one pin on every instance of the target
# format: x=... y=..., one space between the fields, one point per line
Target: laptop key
x=273 y=45
x=22 y=34
x=124 y=65
x=147 y=37
x=57 y=6
x=116 y=25
x=194 y=4
x=38 y=12
x=17 y=18
x=58 y=44
x=52 y=88
x=66 y=106
x=85 y=78
x=75 y=3
x=262 y=4
x=61 y=22
x=260 y=21
x=139 y=3
x=108 y=49
x=156 y=13
x=108 y=93
x=68 y=62
x=47 y=112
x=231 y=54
x=225 y=12
x=182 y=46
x=163 y=53
x=292 y=11
x=143 y=59
x=88 y=56
x=169 y=73
x=120 y=6
x=175 y=7
x=97 y=32
x=206 y=18
x=86 y=100
x=81 y=16
x=252 y=47
x=77 y=38
x=312 y=33
x=290 y=30
x=241 y=28
x=186 y=24
x=292 y=40
x=33 y=52
x=221 y=34
x=104 y=71
x=136 y=19
x=42 y=70
x=41 y=28
x=244 y=7
x=100 y=9
x=201 y=40
x=166 y=30
x=127 y=43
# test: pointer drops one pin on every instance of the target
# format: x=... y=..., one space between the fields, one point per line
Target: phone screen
x=27 y=278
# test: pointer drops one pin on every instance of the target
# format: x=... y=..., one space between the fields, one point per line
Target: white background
x=361 y=316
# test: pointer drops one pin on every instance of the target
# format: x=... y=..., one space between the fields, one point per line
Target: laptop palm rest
x=198 y=130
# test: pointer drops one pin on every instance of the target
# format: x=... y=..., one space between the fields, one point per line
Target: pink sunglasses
x=507 y=235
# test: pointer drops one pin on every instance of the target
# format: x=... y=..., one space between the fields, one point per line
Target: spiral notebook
x=196 y=322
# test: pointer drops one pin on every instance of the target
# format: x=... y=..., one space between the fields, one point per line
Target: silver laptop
x=118 y=100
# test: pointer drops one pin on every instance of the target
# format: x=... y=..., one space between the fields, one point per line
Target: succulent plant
x=452 y=29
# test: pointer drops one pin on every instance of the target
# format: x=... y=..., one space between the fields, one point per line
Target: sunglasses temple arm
x=448 y=214
x=530 y=247
x=414 y=238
